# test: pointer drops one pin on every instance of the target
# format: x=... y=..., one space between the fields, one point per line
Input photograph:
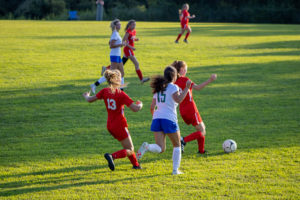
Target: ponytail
x=129 y=23
x=113 y=24
x=159 y=83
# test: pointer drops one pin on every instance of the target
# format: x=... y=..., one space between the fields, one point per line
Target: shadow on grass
x=63 y=37
x=224 y=30
x=54 y=171
x=56 y=121
x=14 y=192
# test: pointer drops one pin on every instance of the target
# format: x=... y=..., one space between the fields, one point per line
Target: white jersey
x=116 y=36
x=166 y=106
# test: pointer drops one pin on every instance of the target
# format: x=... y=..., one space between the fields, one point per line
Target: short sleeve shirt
x=166 y=106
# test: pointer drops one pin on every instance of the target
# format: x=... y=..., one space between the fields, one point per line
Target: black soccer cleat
x=182 y=143
x=137 y=167
x=204 y=153
x=110 y=161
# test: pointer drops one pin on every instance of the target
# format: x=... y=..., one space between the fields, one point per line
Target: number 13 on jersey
x=111 y=104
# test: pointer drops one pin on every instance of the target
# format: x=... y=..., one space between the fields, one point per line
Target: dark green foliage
x=253 y=11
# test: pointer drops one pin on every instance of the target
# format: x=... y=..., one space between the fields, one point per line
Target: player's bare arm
x=202 y=85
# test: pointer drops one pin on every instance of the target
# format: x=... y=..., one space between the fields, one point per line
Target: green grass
x=52 y=142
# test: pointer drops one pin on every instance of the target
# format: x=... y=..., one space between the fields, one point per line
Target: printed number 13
x=111 y=104
x=162 y=97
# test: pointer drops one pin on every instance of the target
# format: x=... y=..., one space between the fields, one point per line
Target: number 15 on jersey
x=161 y=97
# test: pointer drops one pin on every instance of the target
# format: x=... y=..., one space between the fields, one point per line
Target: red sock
x=108 y=67
x=178 y=37
x=119 y=154
x=192 y=136
x=201 y=141
x=139 y=73
x=133 y=160
x=187 y=35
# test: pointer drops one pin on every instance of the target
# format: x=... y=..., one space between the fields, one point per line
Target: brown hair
x=178 y=64
x=113 y=78
x=159 y=83
x=129 y=23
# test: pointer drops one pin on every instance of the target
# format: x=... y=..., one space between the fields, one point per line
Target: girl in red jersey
x=188 y=109
x=129 y=38
x=184 y=16
x=114 y=100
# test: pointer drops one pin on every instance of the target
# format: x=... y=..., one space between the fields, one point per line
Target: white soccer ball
x=229 y=146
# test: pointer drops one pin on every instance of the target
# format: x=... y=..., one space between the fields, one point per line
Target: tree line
x=249 y=11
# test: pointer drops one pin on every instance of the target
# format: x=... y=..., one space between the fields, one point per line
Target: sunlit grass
x=52 y=142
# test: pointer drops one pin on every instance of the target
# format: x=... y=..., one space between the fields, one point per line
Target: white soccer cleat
x=93 y=88
x=142 y=150
x=176 y=172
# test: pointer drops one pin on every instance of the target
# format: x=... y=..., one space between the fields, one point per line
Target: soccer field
x=52 y=141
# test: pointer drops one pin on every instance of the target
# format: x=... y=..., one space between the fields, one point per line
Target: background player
x=188 y=108
x=184 y=17
x=114 y=100
x=166 y=98
x=129 y=38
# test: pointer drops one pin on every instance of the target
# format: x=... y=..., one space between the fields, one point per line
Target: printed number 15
x=161 y=97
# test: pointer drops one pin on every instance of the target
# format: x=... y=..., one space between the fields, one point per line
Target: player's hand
x=136 y=39
x=133 y=48
x=213 y=77
x=188 y=84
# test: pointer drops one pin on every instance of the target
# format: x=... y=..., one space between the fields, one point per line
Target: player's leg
x=128 y=146
x=119 y=66
x=201 y=140
x=137 y=69
x=195 y=119
x=189 y=30
x=175 y=139
x=124 y=60
x=180 y=34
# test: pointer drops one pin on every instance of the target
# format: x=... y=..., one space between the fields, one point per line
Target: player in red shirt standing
x=188 y=109
x=130 y=38
x=184 y=17
x=114 y=100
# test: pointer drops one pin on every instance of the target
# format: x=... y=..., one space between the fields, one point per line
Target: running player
x=129 y=38
x=115 y=44
x=166 y=98
x=114 y=100
x=188 y=108
x=184 y=17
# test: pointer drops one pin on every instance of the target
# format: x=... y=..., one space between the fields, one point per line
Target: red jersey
x=115 y=106
x=131 y=36
x=184 y=17
x=188 y=104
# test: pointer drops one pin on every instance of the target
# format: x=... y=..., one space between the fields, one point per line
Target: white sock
x=154 y=148
x=176 y=158
x=102 y=80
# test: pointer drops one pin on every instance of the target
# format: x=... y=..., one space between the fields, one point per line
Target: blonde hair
x=178 y=64
x=183 y=6
x=113 y=24
x=129 y=23
x=113 y=78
